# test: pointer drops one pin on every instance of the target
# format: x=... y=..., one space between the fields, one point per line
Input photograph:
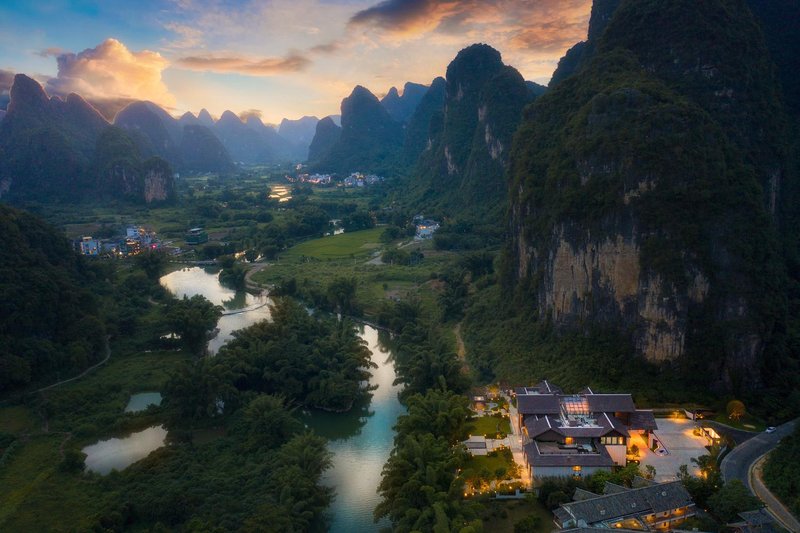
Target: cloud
x=268 y=66
x=111 y=72
x=408 y=15
x=541 y=25
x=248 y=113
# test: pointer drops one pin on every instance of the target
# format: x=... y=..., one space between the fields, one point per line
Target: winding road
x=739 y=464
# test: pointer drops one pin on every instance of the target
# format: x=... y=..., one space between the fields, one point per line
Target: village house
x=577 y=434
x=648 y=506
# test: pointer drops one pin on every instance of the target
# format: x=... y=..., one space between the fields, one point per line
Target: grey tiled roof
x=633 y=502
x=549 y=404
x=758 y=517
x=582 y=494
x=613 y=488
x=538 y=404
x=643 y=419
x=610 y=403
x=605 y=424
x=535 y=458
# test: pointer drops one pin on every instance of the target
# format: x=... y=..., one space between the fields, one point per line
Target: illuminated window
x=576 y=468
x=569 y=440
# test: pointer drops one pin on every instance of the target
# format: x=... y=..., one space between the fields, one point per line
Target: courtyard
x=682 y=445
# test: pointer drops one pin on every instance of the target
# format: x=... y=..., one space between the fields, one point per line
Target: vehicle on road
x=770 y=429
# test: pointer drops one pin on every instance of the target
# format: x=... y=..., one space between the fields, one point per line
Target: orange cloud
x=544 y=25
x=268 y=66
x=111 y=72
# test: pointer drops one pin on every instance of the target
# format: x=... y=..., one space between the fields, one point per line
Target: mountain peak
x=26 y=92
x=205 y=118
x=229 y=116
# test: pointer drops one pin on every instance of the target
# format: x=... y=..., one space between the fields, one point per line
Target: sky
x=274 y=58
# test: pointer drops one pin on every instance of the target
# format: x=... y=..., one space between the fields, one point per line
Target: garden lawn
x=489 y=425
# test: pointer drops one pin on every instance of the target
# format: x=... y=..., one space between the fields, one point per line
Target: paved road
x=774 y=505
x=736 y=465
x=739 y=462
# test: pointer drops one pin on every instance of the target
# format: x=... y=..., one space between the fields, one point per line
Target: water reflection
x=116 y=454
x=205 y=281
x=361 y=441
x=142 y=400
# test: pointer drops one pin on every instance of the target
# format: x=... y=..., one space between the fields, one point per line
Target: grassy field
x=344 y=245
x=375 y=283
x=489 y=425
x=488 y=463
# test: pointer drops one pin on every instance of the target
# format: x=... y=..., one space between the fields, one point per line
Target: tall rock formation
x=642 y=191
x=326 y=136
x=202 y=151
x=419 y=136
x=122 y=172
x=464 y=165
x=370 y=139
x=401 y=108
x=299 y=133
x=46 y=143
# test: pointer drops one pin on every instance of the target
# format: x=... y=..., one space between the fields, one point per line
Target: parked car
x=771 y=429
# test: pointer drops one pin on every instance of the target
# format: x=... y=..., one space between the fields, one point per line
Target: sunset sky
x=283 y=58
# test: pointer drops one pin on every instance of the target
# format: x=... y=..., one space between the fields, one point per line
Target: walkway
x=248 y=277
x=515 y=442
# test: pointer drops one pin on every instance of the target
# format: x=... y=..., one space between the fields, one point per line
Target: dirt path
x=248 y=277
x=461 y=349
x=79 y=376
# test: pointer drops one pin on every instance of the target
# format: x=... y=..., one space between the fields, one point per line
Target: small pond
x=142 y=400
x=107 y=455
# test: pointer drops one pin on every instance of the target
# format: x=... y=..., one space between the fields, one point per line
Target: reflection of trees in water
x=386 y=345
x=339 y=426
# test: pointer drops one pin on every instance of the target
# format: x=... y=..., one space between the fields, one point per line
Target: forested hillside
x=50 y=324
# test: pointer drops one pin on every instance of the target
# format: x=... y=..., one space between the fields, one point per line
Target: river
x=360 y=440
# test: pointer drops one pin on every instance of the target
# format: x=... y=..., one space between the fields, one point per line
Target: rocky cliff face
x=121 y=171
x=636 y=205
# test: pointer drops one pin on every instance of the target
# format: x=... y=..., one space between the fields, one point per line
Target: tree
x=731 y=499
x=73 y=461
x=152 y=262
x=529 y=524
x=192 y=318
x=341 y=294
x=735 y=409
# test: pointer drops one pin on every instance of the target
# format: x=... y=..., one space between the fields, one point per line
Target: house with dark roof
x=651 y=507
x=577 y=434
